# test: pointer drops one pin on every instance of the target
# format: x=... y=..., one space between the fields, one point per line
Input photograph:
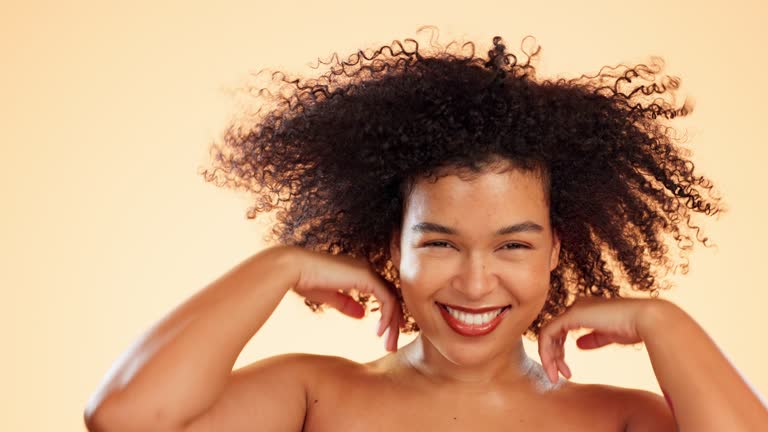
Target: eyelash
x=521 y=246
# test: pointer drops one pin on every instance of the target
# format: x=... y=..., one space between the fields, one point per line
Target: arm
x=177 y=370
x=705 y=392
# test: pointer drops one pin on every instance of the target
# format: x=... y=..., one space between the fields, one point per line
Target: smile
x=468 y=323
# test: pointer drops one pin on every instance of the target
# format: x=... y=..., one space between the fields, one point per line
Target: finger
x=400 y=323
x=382 y=324
x=547 y=358
x=550 y=349
x=341 y=302
x=564 y=368
x=557 y=355
x=393 y=334
x=593 y=340
x=559 y=358
x=352 y=308
x=387 y=313
x=552 y=372
x=543 y=341
x=387 y=301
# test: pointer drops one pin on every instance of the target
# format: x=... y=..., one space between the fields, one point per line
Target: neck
x=508 y=368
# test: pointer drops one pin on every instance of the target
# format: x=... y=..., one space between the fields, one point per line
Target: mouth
x=472 y=322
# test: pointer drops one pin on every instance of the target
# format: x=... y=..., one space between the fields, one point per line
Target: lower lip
x=465 y=329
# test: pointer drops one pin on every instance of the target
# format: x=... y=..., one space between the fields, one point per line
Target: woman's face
x=475 y=244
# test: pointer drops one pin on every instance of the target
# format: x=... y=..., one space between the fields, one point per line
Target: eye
x=516 y=246
x=434 y=243
x=508 y=246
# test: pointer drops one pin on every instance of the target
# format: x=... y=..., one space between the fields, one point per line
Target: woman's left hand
x=611 y=321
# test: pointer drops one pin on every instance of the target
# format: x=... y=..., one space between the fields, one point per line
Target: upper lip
x=472 y=310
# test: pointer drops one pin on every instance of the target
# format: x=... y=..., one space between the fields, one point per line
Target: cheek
x=421 y=276
x=530 y=281
x=420 y=279
x=419 y=284
x=420 y=270
x=410 y=267
x=416 y=298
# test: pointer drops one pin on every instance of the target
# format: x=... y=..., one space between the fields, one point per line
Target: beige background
x=107 y=111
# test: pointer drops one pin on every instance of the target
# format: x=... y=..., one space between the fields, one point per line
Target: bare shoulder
x=641 y=410
x=308 y=364
x=321 y=365
x=271 y=392
x=308 y=369
x=301 y=366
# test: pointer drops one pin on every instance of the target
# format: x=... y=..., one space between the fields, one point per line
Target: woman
x=475 y=204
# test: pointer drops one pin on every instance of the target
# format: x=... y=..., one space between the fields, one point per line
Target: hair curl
x=338 y=155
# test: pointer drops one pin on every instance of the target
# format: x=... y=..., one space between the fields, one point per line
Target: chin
x=468 y=351
x=465 y=356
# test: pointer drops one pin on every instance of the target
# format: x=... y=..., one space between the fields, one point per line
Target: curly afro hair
x=338 y=155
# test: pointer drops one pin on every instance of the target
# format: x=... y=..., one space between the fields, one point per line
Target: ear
x=554 y=258
x=394 y=249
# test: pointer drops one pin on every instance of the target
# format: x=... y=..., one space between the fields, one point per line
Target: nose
x=475 y=279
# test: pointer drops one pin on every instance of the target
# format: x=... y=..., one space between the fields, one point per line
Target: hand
x=328 y=279
x=611 y=320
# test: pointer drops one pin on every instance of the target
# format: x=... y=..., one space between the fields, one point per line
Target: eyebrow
x=431 y=227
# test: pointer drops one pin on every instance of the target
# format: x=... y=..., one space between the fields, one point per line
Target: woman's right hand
x=328 y=279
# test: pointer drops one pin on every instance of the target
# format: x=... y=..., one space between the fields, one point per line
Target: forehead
x=492 y=195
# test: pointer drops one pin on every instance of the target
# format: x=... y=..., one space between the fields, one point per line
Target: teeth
x=473 y=318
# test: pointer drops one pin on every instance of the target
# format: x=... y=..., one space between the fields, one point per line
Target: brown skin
x=475 y=268
x=388 y=395
x=170 y=382
x=445 y=381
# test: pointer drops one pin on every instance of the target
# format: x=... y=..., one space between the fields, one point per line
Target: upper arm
x=648 y=412
x=269 y=394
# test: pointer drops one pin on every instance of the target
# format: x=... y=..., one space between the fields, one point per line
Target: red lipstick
x=465 y=309
x=466 y=329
